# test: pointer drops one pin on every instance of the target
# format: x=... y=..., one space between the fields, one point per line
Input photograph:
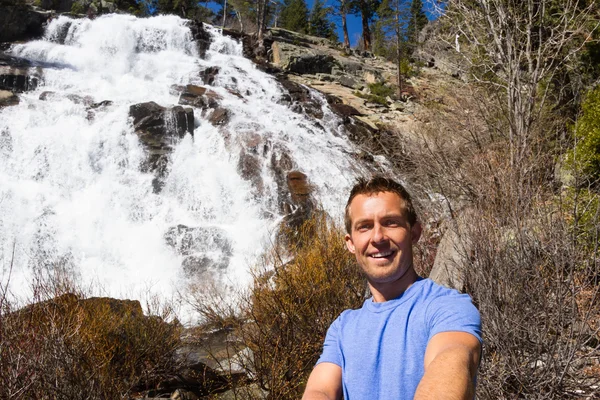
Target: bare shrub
x=63 y=346
x=531 y=263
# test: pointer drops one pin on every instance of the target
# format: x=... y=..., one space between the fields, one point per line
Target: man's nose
x=378 y=234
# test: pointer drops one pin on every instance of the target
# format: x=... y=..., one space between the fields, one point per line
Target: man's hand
x=451 y=362
x=324 y=383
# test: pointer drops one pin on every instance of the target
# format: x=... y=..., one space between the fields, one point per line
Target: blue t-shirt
x=381 y=346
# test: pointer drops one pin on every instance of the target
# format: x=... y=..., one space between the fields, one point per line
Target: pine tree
x=367 y=10
x=417 y=21
x=294 y=16
x=318 y=23
x=342 y=8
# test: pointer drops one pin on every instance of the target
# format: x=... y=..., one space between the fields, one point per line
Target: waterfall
x=74 y=200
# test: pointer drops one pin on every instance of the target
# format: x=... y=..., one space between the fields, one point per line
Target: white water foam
x=71 y=192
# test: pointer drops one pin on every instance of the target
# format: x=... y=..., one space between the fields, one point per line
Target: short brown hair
x=379 y=184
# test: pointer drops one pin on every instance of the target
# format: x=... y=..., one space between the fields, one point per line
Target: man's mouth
x=382 y=254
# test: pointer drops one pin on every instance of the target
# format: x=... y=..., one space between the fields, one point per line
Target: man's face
x=381 y=237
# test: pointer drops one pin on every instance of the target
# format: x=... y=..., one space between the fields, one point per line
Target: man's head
x=379 y=184
x=382 y=228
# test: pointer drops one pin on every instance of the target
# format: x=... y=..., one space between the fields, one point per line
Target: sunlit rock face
x=143 y=134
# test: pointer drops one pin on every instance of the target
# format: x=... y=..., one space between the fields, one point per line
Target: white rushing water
x=72 y=197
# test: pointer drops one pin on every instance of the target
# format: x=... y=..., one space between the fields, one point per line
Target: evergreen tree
x=342 y=8
x=417 y=21
x=367 y=10
x=294 y=16
x=318 y=23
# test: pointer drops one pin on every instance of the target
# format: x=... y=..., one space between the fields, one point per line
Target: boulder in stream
x=159 y=128
x=8 y=98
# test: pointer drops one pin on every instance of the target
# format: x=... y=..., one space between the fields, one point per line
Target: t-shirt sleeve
x=331 y=347
x=453 y=313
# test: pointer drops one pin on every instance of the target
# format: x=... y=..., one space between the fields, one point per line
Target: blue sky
x=353 y=22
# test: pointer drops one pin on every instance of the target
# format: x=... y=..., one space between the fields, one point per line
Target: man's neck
x=392 y=290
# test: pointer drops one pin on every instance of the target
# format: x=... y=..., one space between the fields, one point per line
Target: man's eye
x=362 y=228
x=392 y=223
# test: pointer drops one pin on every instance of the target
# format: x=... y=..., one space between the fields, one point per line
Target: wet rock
x=8 y=98
x=21 y=22
x=199 y=97
x=101 y=104
x=250 y=169
x=220 y=116
x=301 y=206
x=200 y=36
x=192 y=240
x=299 y=188
x=200 y=265
x=157 y=125
x=209 y=74
x=300 y=100
x=19 y=79
x=159 y=128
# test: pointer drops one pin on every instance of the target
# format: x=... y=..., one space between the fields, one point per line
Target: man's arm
x=324 y=383
x=451 y=361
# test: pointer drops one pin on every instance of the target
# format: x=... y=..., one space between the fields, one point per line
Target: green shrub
x=381 y=89
x=78 y=8
x=584 y=159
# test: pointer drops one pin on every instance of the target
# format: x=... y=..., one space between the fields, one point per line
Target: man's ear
x=350 y=244
x=415 y=232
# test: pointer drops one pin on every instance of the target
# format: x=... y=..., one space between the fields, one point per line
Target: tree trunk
x=366 y=31
x=345 y=30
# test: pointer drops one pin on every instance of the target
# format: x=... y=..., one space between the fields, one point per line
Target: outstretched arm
x=324 y=383
x=451 y=361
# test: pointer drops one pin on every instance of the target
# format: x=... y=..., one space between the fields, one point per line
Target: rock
x=249 y=392
x=201 y=265
x=436 y=52
x=200 y=36
x=192 y=240
x=299 y=188
x=220 y=116
x=207 y=249
x=447 y=269
x=301 y=60
x=157 y=125
x=198 y=379
x=19 y=79
x=8 y=99
x=250 y=169
x=300 y=100
x=397 y=106
x=182 y=394
x=102 y=104
x=21 y=22
x=344 y=110
x=348 y=81
x=159 y=128
x=209 y=74
x=199 y=97
x=57 y=5
x=301 y=201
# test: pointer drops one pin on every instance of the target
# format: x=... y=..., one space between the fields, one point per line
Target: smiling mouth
x=382 y=254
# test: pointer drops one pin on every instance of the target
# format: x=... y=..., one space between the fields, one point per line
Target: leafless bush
x=531 y=263
x=64 y=346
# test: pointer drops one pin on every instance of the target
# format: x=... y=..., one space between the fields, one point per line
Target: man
x=412 y=338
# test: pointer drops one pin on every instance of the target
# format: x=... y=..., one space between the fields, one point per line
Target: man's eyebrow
x=361 y=221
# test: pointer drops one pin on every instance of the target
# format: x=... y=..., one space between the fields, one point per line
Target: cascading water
x=73 y=198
